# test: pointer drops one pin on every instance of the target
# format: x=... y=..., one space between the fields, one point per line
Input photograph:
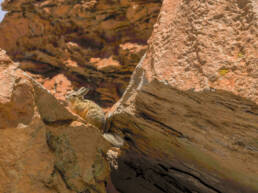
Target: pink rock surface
x=208 y=44
x=189 y=114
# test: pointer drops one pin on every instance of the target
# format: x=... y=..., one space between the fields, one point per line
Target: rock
x=189 y=114
x=82 y=168
x=45 y=101
x=97 y=43
x=113 y=155
x=44 y=148
x=114 y=139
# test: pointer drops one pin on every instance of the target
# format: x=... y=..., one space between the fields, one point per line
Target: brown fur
x=86 y=109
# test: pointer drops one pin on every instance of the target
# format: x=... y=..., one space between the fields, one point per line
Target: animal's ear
x=83 y=91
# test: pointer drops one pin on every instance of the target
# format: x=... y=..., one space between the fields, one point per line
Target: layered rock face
x=188 y=116
x=45 y=148
x=96 y=43
x=190 y=112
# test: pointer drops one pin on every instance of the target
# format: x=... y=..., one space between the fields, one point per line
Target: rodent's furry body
x=88 y=110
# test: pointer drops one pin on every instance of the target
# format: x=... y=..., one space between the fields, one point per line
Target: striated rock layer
x=97 y=43
x=43 y=147
x=190 y=113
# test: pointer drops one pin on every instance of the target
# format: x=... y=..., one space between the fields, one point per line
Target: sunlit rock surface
x=43 y=147
x=188 y=118
x=190 y=112
x=95 y=43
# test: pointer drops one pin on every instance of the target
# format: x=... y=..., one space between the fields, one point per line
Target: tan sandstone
x=43 y=147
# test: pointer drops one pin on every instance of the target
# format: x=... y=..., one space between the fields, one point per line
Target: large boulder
x=190 y=113
x=44 y=148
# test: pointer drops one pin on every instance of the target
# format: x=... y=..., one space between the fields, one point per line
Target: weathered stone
x=44 y=148
x=189 y=114
x=188 y=117
x=50 y=109
x=98 y=42
x=80 y=162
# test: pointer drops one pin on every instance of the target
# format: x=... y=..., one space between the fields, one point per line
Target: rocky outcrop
x=189 y=114
x=44 y=148
x=96 y=43
x=188 y=118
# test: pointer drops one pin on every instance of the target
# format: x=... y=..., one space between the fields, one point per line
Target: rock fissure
x=212 y=188
x=149 y=118
x=63 y=177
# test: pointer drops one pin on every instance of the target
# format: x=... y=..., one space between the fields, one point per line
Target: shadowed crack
x=147 y=117
x=196 y=178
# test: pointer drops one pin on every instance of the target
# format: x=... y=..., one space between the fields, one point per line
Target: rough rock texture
x=98 y=43
x=43 y=147
x=190 y=113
